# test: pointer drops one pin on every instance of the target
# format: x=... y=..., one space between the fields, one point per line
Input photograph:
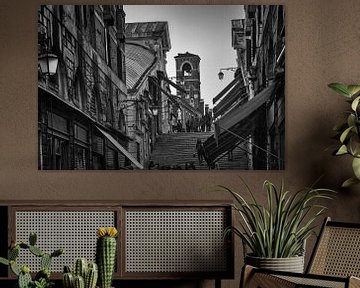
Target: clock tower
x=188 y=76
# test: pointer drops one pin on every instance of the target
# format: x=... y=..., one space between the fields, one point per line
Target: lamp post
x=221 y=73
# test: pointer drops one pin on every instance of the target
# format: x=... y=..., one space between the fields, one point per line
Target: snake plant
x=279 y=228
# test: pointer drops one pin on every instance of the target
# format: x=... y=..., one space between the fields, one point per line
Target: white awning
x=121 y=149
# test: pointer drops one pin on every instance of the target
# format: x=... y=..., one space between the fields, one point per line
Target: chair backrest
x=337 y=251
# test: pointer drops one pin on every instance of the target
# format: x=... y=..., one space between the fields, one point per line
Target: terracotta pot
x=291 y=264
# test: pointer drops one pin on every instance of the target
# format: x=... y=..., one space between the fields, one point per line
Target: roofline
x=154 y=36
x=146 y=72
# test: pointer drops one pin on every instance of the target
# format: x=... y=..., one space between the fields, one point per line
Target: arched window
x=186 y=69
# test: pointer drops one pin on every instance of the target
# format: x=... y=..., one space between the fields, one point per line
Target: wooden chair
x=335 y=262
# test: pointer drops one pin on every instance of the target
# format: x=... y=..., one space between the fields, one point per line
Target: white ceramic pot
x=291 y=264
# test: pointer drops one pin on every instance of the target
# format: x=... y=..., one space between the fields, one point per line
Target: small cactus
x=81 y=265
x=83 y=274
x=68 y=280
x=79 y=282
x=57 y=252
x=14 y=268
x=32 y=239
x=91 y=276
x=45 y=261
x=4 y=261
x=13 y=253
x=36 y=251
x=42 y=278
x=44 y=273
x=24 y=280
x=106 y=254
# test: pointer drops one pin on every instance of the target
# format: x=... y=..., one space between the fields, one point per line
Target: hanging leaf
x=351 y=120
x=353 y=90
x=340 y=88
x=345 y=134
x=355 y=103
x=354 y=145
x=356 y=167
x=349 y=182
x=342 y=150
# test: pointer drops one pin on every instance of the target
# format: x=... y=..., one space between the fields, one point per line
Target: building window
x=81 y=144
x=111 y=159
x=122 y=122
x=138 y=152
x=98 y=152
x=78 y=16
x=107 y=46
x=85 y=15
x=59 y=153
x=186 y=69
x=79 y=158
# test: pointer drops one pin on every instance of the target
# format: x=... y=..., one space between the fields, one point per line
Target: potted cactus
x=84 y=275
x=106 y=254
x=42 y=278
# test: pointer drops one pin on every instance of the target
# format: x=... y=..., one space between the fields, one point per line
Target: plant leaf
x=4 y=261
x=353 y=90
x=351 y=120
x=355 y=103
x=345 y=134
x=356 y=167
x=349 y=182
x=342 y=150
x=340 y=89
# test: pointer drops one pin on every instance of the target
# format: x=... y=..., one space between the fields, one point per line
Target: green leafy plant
x=348 y=132
x=279 y=229
x=42 y=278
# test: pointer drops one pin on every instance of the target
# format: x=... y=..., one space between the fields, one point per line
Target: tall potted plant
x=275 y=233
x=348 y=132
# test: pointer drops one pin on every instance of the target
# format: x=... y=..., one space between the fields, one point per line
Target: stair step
x=176 y=150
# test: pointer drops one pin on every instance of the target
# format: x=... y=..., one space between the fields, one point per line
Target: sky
x=204 y=30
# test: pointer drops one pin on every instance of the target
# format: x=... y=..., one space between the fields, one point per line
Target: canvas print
x=161 y=87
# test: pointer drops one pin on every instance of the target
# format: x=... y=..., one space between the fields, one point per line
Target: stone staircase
x=176 y=150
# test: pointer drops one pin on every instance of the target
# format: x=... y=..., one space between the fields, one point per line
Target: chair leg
x=354 y=282
x=246 y=273
x=250 y=278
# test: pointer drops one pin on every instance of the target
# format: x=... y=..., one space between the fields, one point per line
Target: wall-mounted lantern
x=48 y=63
x=221 y=74
x=155 y=110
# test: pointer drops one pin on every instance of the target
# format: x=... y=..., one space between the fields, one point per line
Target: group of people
x=195 y=124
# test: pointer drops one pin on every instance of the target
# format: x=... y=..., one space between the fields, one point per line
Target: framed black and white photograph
x=161 y=87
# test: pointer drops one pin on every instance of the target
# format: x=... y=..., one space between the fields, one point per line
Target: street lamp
x=221 y=74
x=48 y=64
